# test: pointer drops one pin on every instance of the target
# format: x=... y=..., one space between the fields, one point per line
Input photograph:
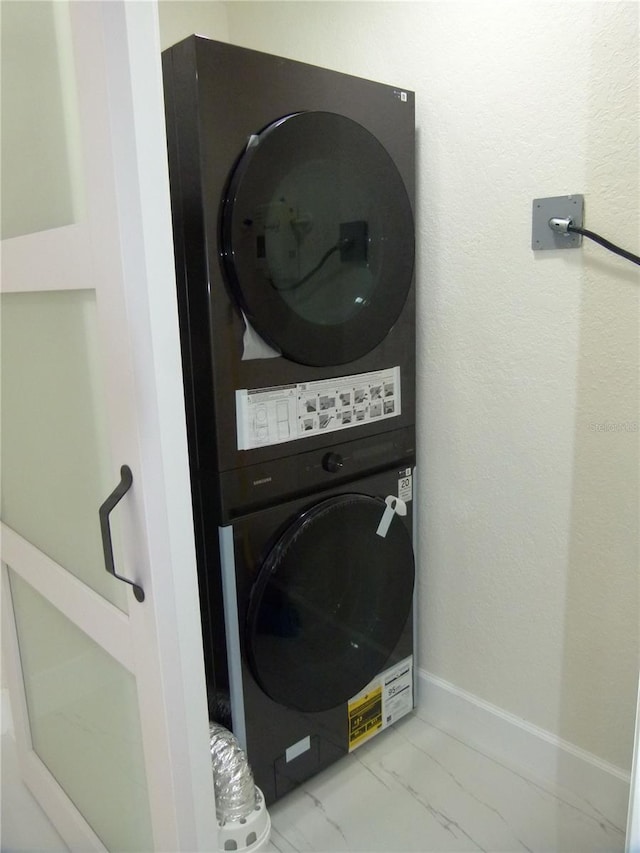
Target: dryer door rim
x=317 y=241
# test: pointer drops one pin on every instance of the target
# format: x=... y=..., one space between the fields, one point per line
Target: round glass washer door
x=317 y=238
x=329 y=604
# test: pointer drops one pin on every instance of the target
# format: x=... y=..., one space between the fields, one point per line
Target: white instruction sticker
x=397 y=691
x=266 y=416
x=384 y=700
x=405 y=486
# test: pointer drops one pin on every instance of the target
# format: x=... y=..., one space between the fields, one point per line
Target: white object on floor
x=247 y=835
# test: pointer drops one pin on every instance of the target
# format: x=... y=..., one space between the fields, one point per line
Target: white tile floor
x=414 y=788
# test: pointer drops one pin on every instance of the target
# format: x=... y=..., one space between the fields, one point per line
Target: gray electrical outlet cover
x=563 y=207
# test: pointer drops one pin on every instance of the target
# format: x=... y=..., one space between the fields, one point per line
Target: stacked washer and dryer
x=292 y=192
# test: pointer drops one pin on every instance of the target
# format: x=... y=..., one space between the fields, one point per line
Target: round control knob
x=332 y=462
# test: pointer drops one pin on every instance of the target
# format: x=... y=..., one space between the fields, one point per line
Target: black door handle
x=126 y=479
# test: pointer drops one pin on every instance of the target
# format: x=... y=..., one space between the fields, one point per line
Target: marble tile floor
x=414 y=788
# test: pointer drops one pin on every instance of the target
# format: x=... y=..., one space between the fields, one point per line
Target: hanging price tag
x=393 y=506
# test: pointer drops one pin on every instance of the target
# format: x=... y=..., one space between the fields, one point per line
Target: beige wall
x=528 y=560
x=180 y=18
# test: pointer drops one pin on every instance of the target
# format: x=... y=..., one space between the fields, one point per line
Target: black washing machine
x=318 y=604
x=292 y=194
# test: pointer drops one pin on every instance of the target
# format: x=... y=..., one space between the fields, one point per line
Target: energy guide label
x=365 y=717
x=387 y=698
x=266 y=416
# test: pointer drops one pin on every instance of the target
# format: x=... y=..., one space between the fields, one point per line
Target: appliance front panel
x=220 y=97
x=292 y=192
x=334 y=585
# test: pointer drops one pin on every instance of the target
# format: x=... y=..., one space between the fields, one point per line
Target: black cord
x=322 y=260
x=607 y=245
x=339 y=245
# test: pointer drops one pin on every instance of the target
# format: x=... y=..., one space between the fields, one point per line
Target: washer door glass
x=317 y=238
x=330 y=603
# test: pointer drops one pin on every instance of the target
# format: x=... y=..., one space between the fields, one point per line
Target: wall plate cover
x=563 y=207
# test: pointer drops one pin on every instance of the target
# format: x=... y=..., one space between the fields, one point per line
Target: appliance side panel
x=227 y=559
x=181 y=115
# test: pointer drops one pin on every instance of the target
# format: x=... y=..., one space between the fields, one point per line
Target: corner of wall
x=181 y=18
x=522 y=745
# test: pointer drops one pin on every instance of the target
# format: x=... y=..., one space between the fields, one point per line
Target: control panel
x=243 y=490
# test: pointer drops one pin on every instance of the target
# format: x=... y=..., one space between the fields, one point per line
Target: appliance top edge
x=201 y=40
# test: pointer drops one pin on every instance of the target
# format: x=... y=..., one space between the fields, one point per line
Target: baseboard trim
x=505 y=736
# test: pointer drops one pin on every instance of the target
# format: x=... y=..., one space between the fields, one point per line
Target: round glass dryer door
x=317 y=238
x=329 y=604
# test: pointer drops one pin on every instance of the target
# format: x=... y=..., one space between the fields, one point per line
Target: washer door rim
x=313 y=652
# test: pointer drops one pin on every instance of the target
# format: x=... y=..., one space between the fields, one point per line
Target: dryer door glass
x=330 y=603
x=317 y=237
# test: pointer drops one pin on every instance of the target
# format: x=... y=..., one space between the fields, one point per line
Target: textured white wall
x=180 y=18
x=528 y=563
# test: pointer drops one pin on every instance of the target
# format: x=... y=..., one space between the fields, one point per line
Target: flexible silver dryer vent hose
x=232 y=777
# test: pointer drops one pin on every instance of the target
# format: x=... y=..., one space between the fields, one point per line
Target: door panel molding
x=100 y=620
x=39 y=780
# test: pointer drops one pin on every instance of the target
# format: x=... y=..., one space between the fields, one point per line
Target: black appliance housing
x=319 y=604
x=338 y=149
x=292 y=194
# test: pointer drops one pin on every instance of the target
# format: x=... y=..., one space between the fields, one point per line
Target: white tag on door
x=393 y=506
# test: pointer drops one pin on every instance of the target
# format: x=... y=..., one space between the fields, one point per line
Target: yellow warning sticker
x=365 y=716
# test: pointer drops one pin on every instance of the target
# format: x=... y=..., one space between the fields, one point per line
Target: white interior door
x=107 y=691
x=633 y=819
